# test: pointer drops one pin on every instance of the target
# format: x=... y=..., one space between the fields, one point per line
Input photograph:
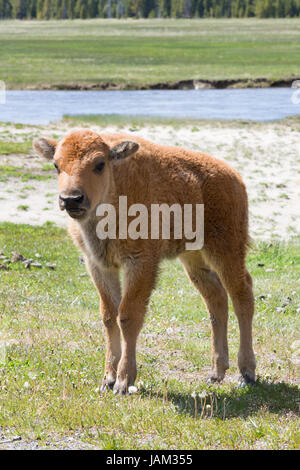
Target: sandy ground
x=267 y=156
x=71 y=442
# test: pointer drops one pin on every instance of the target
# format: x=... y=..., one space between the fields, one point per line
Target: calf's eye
x=99 y=167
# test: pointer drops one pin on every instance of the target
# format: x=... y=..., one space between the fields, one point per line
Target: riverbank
x=193 y=84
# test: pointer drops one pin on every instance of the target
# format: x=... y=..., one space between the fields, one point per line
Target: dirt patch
x=11 y=441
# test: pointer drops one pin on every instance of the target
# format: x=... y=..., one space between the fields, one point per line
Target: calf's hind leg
x=238 y=283
x=243 y=303
x=216 y=300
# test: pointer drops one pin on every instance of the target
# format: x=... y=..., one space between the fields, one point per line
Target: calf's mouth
x=76 y=213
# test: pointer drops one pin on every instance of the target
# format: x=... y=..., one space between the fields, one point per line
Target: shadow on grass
x=276 y=398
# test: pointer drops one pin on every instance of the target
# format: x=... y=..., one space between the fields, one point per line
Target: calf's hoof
x=246 y=380
x=121 y=387
x=107 y=384
x=213 y=379
x=217 y=376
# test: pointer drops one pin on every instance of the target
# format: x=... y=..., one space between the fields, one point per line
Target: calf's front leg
x=113 y=343
x=108 y=284
x=138 y=284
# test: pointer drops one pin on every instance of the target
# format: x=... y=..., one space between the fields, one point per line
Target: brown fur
x=149 y=173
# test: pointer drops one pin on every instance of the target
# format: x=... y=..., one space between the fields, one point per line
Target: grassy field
x=138 y=122
x=138 y=52
x=52 y=356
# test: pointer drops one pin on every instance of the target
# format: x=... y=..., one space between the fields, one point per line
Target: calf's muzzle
x=74 y=202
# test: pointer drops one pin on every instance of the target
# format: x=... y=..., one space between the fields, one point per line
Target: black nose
x=71 y=201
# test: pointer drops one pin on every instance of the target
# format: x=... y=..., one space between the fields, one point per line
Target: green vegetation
x=23 y=207
x=7 y=148
x=47 y=167
x=52 y=355
x=136 y=122
x=143 y=52
x=7 y=171
x=63 y=9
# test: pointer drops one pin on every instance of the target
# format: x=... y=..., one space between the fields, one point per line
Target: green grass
x=137 y=122
x=47 y=167
x=7 y=148
x=8 y=171
x=146 y=51
x=23 y=207
x=52 y=356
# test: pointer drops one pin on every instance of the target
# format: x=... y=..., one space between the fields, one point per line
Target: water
x=259 y=104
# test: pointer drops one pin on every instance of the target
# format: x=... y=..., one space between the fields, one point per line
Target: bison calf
x=98 y=169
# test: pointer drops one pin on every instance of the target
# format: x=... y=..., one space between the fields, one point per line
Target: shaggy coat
x=95 y=169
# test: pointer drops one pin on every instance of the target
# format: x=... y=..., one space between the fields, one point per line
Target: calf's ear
x=45 y=147
x=123 y=150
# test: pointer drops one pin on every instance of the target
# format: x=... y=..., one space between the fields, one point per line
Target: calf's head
x=84 y=165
